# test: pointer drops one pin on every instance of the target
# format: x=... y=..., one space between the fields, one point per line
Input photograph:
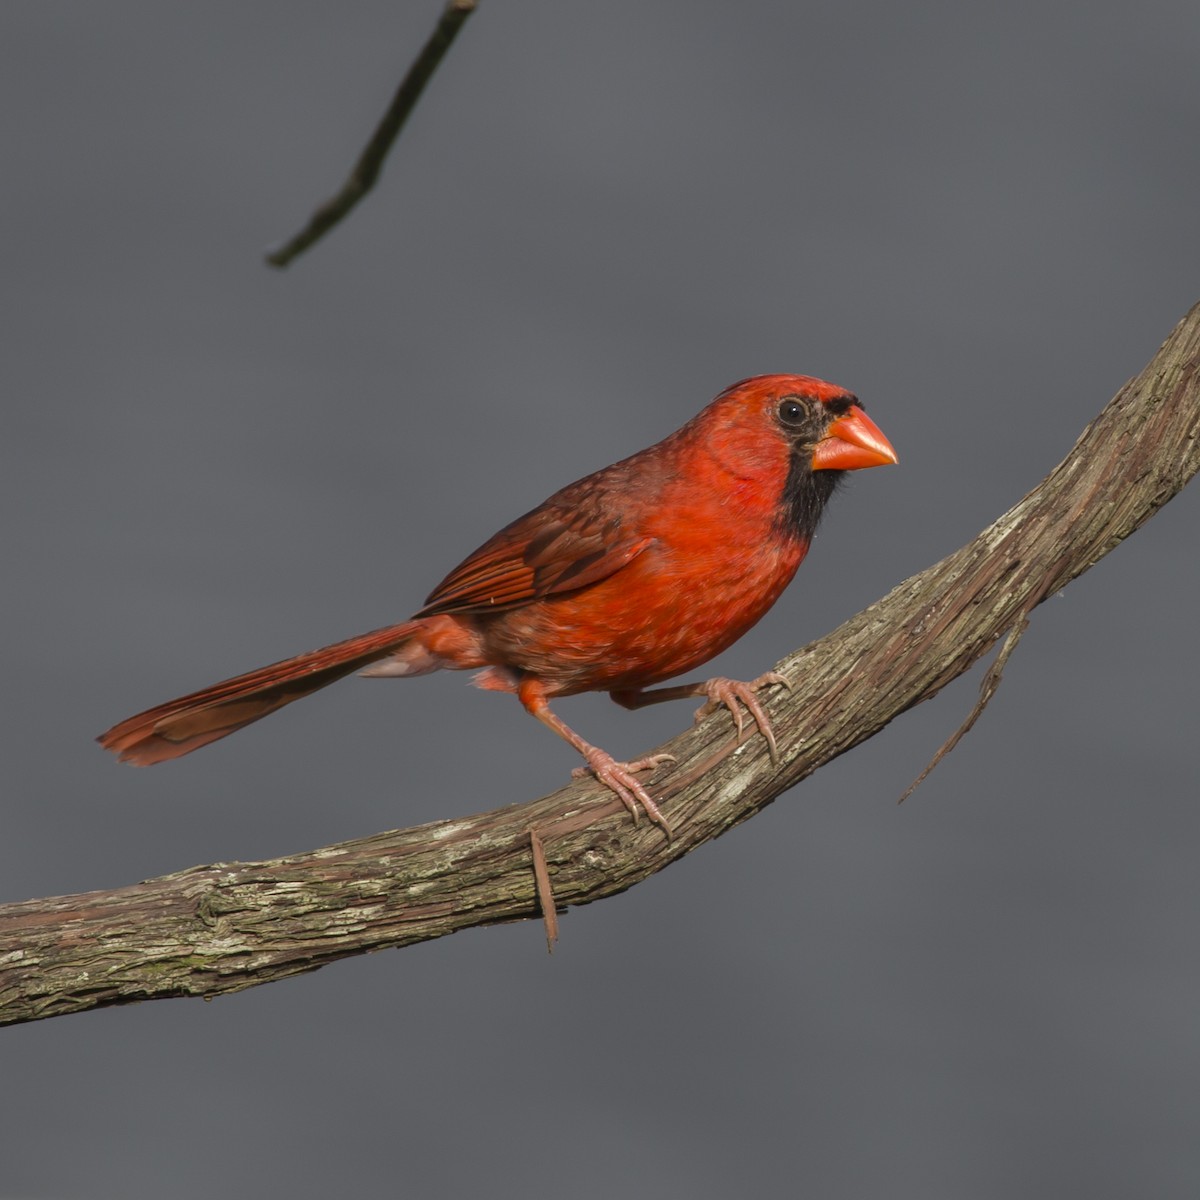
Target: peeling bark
x=230 y=926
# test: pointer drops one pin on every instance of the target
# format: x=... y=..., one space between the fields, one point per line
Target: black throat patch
x=805 y=494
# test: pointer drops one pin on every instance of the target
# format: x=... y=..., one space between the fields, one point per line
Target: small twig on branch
x=545 y=892
x=370 y=162
x=987 y=689
x=230 y=926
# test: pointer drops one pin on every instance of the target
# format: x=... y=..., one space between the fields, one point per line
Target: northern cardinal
x=636 y=573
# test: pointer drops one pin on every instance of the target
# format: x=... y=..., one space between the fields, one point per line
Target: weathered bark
x=229 y=926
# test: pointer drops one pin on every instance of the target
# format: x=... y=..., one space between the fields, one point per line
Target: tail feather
x=180 y=726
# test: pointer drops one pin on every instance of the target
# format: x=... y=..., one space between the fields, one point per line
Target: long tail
x=181 y=726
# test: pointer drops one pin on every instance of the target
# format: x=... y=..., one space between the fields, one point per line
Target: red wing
x=545 y=552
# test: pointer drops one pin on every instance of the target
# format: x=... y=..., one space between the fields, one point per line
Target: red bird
x=627 y=577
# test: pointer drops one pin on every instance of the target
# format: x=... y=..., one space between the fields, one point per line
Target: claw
x=733 y=694
x=620 y=778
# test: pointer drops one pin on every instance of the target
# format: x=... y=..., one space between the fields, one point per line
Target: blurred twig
x=370 y=162
x=230 y=926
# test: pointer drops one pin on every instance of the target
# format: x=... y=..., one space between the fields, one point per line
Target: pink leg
x=618 y=777
x=720 y=692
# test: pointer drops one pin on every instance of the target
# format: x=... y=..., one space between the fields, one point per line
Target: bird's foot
x=621 y=778
x=733 y=694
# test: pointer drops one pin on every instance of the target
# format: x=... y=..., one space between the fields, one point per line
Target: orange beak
x=852 y=442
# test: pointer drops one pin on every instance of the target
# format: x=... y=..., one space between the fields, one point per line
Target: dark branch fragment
x=370 y=162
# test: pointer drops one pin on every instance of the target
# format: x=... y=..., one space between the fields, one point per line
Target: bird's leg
x=619 y=777
x=720 y=692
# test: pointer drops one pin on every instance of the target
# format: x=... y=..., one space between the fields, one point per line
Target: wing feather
x=559 y=547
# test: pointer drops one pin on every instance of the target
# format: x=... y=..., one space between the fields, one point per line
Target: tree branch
x=370 y=162
x=230 y=926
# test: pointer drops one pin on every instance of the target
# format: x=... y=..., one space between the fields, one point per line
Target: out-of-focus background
x=983 y=219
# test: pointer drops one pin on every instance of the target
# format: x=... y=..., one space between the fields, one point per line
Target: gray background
x=981 y=218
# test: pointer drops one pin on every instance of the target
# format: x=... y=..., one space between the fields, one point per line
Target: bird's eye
x=792 y=412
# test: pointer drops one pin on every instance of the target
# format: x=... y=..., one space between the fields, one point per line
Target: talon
x=732 y=694
x=650 y=762
x=620 y=779
x=642 y=764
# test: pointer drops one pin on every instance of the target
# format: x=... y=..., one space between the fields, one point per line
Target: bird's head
x=796 y=435
x=820 y=422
